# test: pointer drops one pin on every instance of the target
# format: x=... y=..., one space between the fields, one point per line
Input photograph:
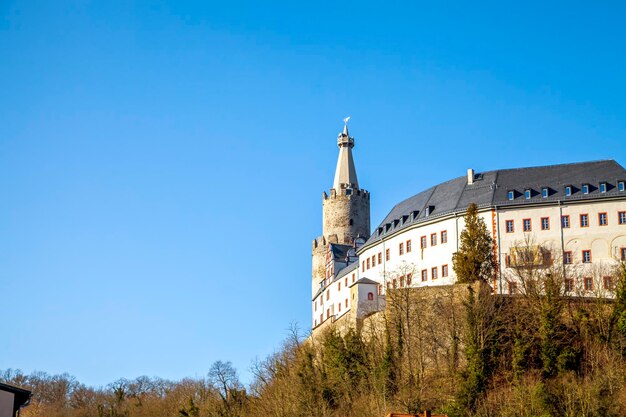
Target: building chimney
x=470 y=176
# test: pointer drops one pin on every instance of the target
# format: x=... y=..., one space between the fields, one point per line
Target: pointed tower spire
x=345 y=174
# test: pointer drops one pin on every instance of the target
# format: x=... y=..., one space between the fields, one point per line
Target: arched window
x=370 y=296
x=351 y=222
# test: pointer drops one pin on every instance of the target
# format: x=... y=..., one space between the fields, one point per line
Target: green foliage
x=475 y=258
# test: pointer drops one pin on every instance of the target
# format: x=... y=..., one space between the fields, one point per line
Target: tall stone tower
x=346 y=211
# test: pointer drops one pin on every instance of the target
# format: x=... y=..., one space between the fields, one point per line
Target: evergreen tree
x=475 y=260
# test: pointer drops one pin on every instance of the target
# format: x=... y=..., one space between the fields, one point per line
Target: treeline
x=458 y=350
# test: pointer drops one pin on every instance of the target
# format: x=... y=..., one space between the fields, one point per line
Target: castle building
x=575 y=211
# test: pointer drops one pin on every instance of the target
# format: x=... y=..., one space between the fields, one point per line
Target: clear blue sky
x=161 y=166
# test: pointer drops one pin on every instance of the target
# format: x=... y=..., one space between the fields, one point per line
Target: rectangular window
x=423 y=242
x=607 y=283
x=585 y=188
x=353 y=278
x=527 y=225
x=345 y=282
x=444 y=236
x=444 y=271
x=363 y=266
x=401 y=248
x=339 y=286
x=623 y=254
x=512 y=288
x=380 y=258
x=510 y=228
x=433 y=273
x=569 y=284
x=586 y=256
x=603 y=219
x=621 y=215
x=567 y=257
x=409 y=279
x=588 y=283
x=394 y=283
x=621 y=186
x=545 y=223
x=584 y=220
x=511 y=195
x=568 y=191
x=408 y=246
x=527 y=194
x=544 y=192
x=565 y=222
x=347 y=301
x=424 y=275
x=402 y=281
x=603 y=187
x=327 y=295
x=387 y=254
x=368 y=263
x=373 y=261
x=433 y=239
x=339 y=307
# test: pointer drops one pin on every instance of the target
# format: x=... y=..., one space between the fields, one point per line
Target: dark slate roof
x=491 y=189
x=346 y=270
x=340 y=252
x=364 y=281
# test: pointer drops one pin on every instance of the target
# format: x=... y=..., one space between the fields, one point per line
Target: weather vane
x=345 y=121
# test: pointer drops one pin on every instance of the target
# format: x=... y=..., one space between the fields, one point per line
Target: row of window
x=568 y=284
x=603 y=220
x=568 y=190
x=406 y=281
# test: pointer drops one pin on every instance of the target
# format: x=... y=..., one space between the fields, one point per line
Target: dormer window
x=527 y=194
x=585 y=188
x=544 y=192
x=511 y=195
x=429 y=210
x=414 y=214
x=568 y=190
x=603 y=187
x=620 y=186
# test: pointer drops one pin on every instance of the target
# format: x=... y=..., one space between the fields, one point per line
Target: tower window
x=370 y=296
x=351 y=222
